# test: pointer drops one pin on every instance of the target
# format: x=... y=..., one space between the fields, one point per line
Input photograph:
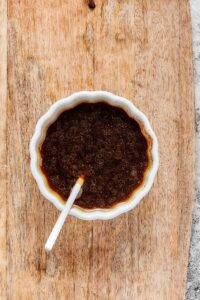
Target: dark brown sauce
x=100 y=142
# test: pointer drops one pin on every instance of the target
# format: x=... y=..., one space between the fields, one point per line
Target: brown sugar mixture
x=100 y=142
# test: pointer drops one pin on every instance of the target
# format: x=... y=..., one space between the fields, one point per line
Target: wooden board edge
x=187 y=193
x=3 y=179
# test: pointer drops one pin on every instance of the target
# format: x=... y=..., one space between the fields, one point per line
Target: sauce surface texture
x=100 y=142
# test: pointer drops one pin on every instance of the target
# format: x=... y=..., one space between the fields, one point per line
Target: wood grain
x=3 y=154
x=140 y=50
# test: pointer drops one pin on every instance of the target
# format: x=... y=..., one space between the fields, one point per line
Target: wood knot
x=91 y=4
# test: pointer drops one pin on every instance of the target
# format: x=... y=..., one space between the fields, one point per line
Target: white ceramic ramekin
x=70 y=102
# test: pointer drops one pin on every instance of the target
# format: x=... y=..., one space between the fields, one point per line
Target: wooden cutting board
x=139 y=49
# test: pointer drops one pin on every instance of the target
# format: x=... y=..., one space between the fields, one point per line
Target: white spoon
x=58 y=225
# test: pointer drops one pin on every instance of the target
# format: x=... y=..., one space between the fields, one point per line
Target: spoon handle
x=61 y=219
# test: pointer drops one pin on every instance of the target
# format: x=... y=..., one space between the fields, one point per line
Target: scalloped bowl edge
x=70 y=102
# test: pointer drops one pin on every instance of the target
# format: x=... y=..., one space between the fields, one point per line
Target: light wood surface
x=3 y=152
x=140 y=50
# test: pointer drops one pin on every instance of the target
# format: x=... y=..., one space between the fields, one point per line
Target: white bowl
x=70 y=102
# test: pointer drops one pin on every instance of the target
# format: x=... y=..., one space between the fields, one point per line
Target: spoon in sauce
x=61 y=219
